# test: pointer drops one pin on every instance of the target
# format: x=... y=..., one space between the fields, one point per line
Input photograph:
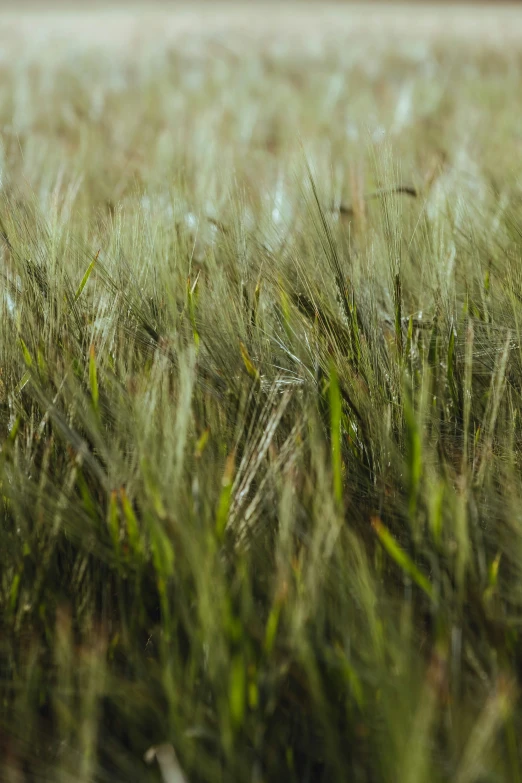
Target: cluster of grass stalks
x=260 y=411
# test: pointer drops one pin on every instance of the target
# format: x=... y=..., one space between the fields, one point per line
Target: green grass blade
x=27 y=356
x=225 y=496
x=335 y=434
x=86 y=277
x=414 y=454
x=237 y=691
x=93 y=379
x=133 y=530
x=401 y=558
x=247 y=361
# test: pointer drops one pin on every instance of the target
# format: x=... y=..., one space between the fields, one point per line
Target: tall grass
x=260 y=388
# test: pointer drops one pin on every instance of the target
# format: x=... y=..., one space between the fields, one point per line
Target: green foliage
x=260 y=493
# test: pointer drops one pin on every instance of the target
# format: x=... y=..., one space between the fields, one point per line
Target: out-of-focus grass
x=260 y=388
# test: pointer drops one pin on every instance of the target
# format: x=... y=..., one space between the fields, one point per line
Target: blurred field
x=260 y=394
x=123 y=23
x=483 y=22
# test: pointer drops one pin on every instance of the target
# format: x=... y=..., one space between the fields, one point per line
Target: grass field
x=261 y=394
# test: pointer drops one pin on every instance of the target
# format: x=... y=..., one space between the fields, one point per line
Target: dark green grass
x=261 y=494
